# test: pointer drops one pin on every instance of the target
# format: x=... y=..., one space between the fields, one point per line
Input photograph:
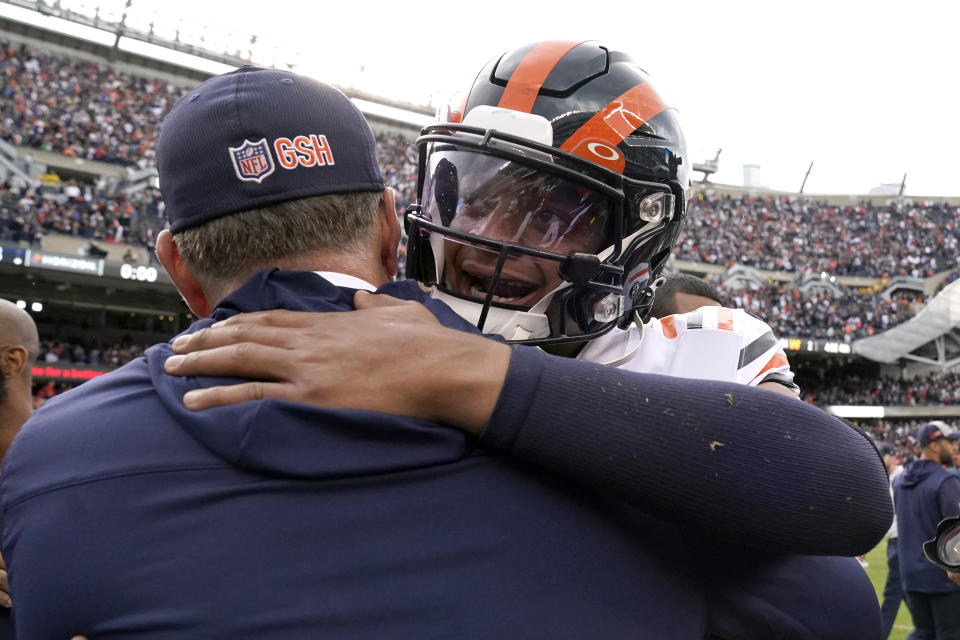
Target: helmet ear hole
x=659 y=261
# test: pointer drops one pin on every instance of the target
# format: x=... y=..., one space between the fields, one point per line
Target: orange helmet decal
x=598 y=138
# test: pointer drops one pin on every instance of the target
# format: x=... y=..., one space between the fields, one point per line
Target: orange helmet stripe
x=525 y=82
x=599 y=136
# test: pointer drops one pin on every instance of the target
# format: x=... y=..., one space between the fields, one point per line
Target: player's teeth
x=480 y=293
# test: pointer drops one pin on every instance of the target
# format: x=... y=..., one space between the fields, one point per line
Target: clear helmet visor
x=481 y=196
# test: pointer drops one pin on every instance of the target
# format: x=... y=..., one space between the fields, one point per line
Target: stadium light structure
x=805 y=176
x=22 y=304
x=36 y=307
x=708 y=167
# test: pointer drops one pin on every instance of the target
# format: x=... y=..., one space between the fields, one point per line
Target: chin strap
x=641 y=304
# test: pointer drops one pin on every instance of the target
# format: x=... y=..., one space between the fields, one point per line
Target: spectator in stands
x=925 y=494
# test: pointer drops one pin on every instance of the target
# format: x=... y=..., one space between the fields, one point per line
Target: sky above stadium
x=865 y=90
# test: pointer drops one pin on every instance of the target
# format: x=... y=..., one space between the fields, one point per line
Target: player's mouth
x=510 y=289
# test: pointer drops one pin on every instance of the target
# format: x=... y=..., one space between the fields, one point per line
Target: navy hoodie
x=127 y=516
x=923 y=495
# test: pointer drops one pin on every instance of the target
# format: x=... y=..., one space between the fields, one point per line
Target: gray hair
x=234 y=247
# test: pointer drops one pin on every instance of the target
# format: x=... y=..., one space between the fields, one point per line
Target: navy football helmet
x=549 y=202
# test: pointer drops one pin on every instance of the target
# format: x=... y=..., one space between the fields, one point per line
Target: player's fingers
x=272 y=318
x=4 y=590
x=200 y=399
x=219 y=336
x=405 y=309
x=244 y=360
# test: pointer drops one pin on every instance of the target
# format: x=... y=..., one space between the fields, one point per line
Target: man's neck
x=12 y=417
x=356 y=266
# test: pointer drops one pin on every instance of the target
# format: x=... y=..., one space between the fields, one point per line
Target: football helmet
x=549 y=201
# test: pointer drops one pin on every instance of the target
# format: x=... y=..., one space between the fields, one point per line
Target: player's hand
x=4 y=585
x=389 y=355
x=955 y=576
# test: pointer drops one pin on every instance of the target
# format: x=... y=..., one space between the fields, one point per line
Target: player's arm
x=740 y=463
x=948 y=495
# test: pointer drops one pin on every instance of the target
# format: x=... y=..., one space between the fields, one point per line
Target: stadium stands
x=792 y=313
x=802 y=235
x=94 y=212
x=79 y=108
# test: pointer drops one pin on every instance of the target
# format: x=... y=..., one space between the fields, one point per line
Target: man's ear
x=183 y=280
x=389 y=232
x=14 y=361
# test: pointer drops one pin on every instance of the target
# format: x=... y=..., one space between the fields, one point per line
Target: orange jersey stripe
x=669 y=329
x=597 y=139
x=778 y=360
x=525 y=82
x=725 y=318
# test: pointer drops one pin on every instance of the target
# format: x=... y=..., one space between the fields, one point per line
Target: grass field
x=878 y=576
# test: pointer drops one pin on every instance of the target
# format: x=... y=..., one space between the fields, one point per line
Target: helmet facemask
x=526 y=241
x=551 y=200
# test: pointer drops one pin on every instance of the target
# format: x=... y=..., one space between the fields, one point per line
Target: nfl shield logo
x=252 y=161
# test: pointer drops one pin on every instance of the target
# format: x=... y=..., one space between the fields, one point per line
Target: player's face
x=948 y=450
x=537 y=212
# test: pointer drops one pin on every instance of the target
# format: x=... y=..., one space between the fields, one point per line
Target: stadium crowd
x=932 y=389
x=102 y=212
x=792 y=313
x=801 y=235
x=80 y=108
x=88 y=352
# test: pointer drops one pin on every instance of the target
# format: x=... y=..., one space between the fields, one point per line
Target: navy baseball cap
x=886 y=449
x=255 y=137
x=933 y=431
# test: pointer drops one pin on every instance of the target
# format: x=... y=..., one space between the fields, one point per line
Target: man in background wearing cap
x=127 y=515
x=893 y=589
x=925 y=494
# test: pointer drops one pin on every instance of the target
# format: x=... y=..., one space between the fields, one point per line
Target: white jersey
x=713 y=343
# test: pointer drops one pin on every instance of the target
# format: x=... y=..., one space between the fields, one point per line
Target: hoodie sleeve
x=949 y=496
x=746 y=465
